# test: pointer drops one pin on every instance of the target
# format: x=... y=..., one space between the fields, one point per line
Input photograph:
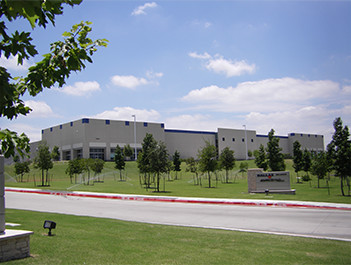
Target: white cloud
x=132 y=82
x=262 y=96
x=81 y=88
x=33 y=133
x=153 y=75
x=287 y=105
x=199 y=56
x=140 y=10
x=220 y=65
x=11 y=63
x=125 y=113
x=40 y=109
x=128 y=81
x=201 y=24
x=347 y=90
x=230 y=68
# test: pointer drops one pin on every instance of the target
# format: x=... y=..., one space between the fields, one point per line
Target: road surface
x=318 y=223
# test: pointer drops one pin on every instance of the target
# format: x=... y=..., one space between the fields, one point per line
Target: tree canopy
x=274 y=155
x=297 y=157
x=69 y=55
x=339 y=151
x=227 y=161
x=43 y=162
x=208 y=160
x=261 y=158
x=119 y=161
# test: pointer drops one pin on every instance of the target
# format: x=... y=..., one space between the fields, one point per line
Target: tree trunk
x=226 y=176
x=42 y=177
x=158 y=182
x=342 y=186
x=209 y=179
x=318 y=181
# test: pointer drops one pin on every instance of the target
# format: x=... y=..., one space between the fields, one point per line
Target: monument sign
x=272 y=182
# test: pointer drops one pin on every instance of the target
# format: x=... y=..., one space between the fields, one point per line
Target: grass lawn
x=183 y=187
x=86 y=240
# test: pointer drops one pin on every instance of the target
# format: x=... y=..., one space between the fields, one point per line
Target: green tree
x=128 y=151
x=320 y=166
x=159 y=162
x=97 y=165
x=274 y=155
x=21 y=168
x=208 y=160
x=298 y=158
x=244 y=166
x=65 y=57
x=144 y=158
x=192 y=166
x=307 y=162
x=261 y=158
x=340 y=151
x=176 y=163
x=119 y=161
x=43 y=162
x=74 y=168
x=227 y=161
x=55 y=153
x=86 y=165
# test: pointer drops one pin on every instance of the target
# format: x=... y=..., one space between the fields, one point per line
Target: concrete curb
x=243 y=202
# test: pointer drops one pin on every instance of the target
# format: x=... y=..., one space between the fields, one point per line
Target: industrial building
x=97 y=138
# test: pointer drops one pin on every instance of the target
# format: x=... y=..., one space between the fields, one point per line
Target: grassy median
x=184 y=186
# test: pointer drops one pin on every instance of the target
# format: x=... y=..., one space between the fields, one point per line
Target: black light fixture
x=50 y=225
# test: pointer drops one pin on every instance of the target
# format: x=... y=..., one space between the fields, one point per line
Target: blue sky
x=203 y=65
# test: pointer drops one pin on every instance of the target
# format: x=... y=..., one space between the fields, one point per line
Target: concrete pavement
x=244 y=202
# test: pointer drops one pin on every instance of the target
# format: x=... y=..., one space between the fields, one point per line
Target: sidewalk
x=243 y=202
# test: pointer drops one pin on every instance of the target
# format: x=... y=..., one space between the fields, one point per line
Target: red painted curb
x=185 y=200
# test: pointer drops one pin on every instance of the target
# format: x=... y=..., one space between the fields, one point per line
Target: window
x=233 y=139
x=71 y=123
x=85 y=120
x=223 y=139
x=145 y=124
x=107 y=122
x=243 y=140
x=51 y=129
x=126 y=123
x=112 y=153
x=66 y=155
x=42 y=131
x=78 y=153
x=61 y=127
x=251 y=140
x=97 y=153
x=162 y=125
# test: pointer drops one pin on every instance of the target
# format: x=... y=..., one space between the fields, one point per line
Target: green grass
x=86 y=240
x=184 y=187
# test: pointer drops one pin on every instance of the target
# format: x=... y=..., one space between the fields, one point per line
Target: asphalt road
x=331 y=224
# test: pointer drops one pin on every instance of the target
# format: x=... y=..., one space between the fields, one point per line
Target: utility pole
x=135 y=147
x=245 y=143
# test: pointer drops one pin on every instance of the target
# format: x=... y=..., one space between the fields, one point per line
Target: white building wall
x=236 y=140
x=82 y=135
x=311 y=142
x=187 y=143
x=76 y=138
